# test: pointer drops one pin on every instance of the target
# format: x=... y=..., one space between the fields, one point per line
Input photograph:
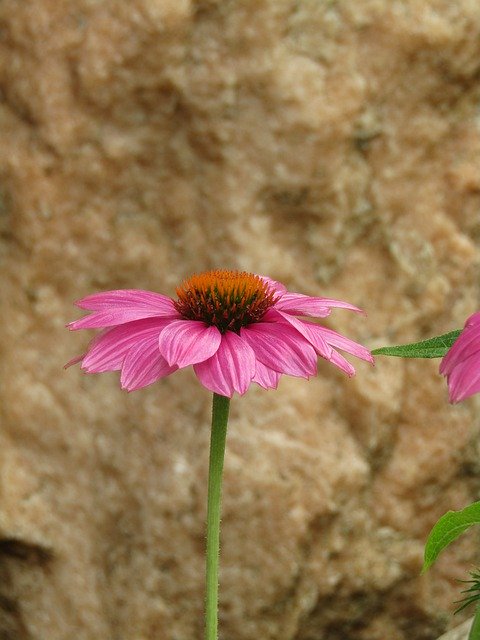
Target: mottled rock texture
x=333 y=145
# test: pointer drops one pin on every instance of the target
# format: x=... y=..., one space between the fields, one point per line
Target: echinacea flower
x=461 y=364
x=233 y=327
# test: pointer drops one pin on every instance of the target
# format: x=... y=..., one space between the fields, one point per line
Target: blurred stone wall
x=330 y=144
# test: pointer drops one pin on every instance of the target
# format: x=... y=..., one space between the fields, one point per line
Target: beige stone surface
x=459 y=633
x=332 y=145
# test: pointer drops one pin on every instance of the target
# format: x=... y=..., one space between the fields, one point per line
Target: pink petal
x=113 y=308
x=107 y=351
x=281 y=348
x=185 y=342
x=467 y=343
x=464 y=380
x=473 y=319
x=265 y=377
x=339 y=361
x=125 y=299
x=338 y=341
x=230 y=369
x=323 y=339
x=143 y=365
x=312 y=332
x=461 y=364
x=73 y=361
x=301 y=305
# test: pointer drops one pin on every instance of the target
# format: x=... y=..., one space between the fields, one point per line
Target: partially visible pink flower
x=233 y=327
x=461 y=364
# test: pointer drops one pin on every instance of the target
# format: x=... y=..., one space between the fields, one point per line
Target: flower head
x=228 y=300
x=461 y=364
x=233 y=327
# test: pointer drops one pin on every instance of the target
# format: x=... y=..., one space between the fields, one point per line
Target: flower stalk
x=220 y=410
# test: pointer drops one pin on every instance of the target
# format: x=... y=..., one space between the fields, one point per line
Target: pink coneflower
x=461 y=364
x=233 y=327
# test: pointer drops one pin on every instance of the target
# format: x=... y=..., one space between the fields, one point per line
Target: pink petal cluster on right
x=461 y=364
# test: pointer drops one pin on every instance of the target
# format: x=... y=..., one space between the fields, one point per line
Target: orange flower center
x=229 y=300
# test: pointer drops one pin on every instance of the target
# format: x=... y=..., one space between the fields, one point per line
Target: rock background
x=459 y=633
x=333 y=145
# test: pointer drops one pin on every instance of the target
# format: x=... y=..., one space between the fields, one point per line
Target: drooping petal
x=323 y=339
x=464 y=380
x=312 y=332
x=112 y=308
x=265 y=377
x=143 y=365
x=230 y=369
x=185 y=342
x=302 y=305
x=338 y=341
x=107 y=351
x=281 y=348
x=342 y=363
x=74 y=360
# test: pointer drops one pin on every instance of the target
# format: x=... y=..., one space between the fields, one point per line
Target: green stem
x=220 y=409
x=475 y=630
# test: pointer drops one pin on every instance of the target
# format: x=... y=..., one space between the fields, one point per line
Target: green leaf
x=432 y=348
x=447 y=529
